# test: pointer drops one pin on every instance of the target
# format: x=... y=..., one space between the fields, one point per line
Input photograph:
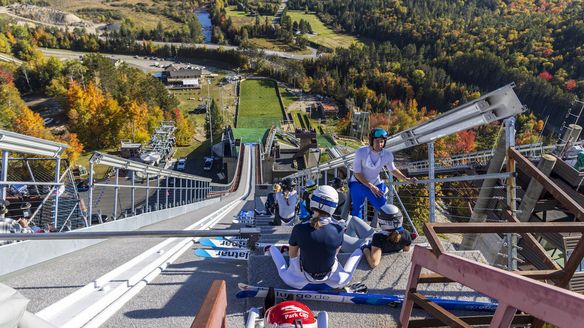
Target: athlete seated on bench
x=314 y=246
x=391 y=239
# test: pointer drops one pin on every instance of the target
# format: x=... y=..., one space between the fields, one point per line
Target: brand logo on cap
x=293 y=312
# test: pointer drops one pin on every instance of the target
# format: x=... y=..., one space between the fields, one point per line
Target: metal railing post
x=180 y=199
x=57 y=178
x=192 y=191
x=147 y=192
x=511 y=193
x=432 y=186
x=4 y=176
x=133 y=193
x=91 y=186
x=196 y=190
x=36 y=187
x=158 y=192
x=166 y=193
x=173 y=192
x=116 y=190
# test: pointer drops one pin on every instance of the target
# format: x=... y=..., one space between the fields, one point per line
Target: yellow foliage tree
x=135 y=122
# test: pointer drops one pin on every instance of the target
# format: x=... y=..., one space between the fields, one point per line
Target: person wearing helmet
x=305 y=212
x=314 y=246
x=286 y=203
x=290 y=314
x=271 y=201
x=392 y=237
x=9 y=225
x=339 y=186
x=369 y=161
x=288 y=184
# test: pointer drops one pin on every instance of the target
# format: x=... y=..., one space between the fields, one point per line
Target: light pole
x=209 y=113
x=223 y=107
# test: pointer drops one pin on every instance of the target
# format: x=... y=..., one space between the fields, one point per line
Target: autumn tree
x=185 y=128
x=94 y=115
x=135 y=123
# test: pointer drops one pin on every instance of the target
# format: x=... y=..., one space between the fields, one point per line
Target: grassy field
x=323 y=141
x=287 y=98
x=249 y=134
x=259 y=106
x=349 y=143
x=276 y=45
x=301 y=120
x=240 y=18
x=141 y=19
x=189 y=100
x=324 y=35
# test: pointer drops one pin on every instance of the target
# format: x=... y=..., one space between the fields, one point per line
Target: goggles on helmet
x=379 y=133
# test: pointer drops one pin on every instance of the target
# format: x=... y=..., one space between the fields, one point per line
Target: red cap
x=289 y=314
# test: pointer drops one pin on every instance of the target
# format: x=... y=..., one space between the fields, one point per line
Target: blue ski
x=357 y=298
x=225 y=244
x=230 y=254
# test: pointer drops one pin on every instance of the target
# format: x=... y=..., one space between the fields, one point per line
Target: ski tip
x=206 y=242
x=242 y=286
x=201 y=252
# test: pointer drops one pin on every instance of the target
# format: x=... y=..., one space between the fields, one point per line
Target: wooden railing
x=213 y=312
x=515 y=290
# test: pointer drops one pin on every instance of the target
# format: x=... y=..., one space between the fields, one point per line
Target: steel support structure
x=4 y=176
x=57 y=190
x=90 y=185
x=432 y=185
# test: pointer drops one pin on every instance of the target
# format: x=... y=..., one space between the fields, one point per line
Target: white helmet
x=324 y=198
x=390 y=217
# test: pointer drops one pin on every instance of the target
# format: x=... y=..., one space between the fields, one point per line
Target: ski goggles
x=311 y=188
x=379 y=133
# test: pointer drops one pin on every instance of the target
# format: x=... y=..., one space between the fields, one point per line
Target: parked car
x=208 y=164
x=180 y=164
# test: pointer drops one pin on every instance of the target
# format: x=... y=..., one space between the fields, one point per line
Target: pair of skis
x=245 y=217
x=219 y=243
x=247 y=291
x=232 y=249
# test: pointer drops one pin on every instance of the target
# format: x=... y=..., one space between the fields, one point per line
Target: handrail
x=513 y=292
x=537 y=149
x=213 y=311
x=562 y=276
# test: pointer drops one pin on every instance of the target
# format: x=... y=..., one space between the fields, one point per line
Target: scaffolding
x=159 y=149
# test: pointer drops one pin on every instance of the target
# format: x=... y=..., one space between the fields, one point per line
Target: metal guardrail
x=132 y=189
x=481 y=158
